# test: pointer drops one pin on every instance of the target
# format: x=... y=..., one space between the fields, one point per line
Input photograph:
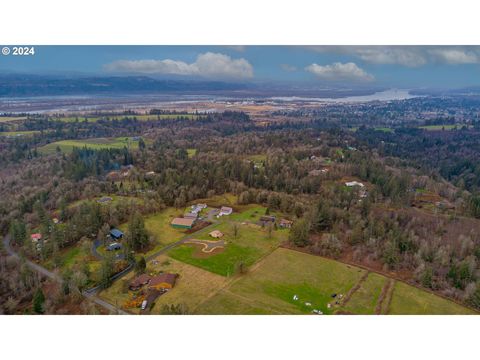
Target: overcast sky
x=404 y=66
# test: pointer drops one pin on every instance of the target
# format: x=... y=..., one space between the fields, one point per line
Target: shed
x=216 y=234
x=116 y=234
x=182 y=223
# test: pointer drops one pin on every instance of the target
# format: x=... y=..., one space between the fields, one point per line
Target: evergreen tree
x=137 y=235
x=299 y=233
x=38 y=301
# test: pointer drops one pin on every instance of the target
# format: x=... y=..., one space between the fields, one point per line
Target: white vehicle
x=144 y=304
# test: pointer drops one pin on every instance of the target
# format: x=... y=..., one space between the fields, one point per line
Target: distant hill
x=36 y=85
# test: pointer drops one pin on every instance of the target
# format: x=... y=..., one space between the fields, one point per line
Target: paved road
x=91 y=294
x=51 y=275
x=32 y=265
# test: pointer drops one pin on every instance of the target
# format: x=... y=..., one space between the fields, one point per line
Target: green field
x=409 y=300
x=252 y=213
x=4 y=119
x=271 y=286
x=269 y=289
x=384 y=129
x=74 y=257
x=364 y=300
x=19 y=133
x=251 y=244
x=444 y=127
x=95 y=144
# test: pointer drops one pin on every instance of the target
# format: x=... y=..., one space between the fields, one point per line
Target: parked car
x=144 y=304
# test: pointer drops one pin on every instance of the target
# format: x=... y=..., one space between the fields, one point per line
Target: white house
x=354 y=183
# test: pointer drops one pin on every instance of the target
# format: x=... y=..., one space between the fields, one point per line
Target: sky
x=392 y=66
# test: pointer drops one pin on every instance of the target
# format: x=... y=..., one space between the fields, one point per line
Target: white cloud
x=339 y=72
x=400 y=56
x=410 y=56
x=208 y=65
x=455 y=56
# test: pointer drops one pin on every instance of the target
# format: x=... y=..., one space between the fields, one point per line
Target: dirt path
x=352 y=291
x=383 y=300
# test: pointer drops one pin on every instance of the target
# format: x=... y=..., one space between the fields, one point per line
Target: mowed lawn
x=409 y=300
x=269 y=288
x=74 y=257
x=251 y=244
x=95 y=144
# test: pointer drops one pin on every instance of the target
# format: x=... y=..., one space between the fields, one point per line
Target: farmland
x=18 y=133
x=94 y=144
x=271 y=286
x=269 y=289
x=444 y=127
x=408 y=300
x=4 y=119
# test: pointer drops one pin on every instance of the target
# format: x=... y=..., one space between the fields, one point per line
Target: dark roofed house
x=139 y=281
x=116 y=234
x=267 y=218
x=162 y=282
x=114 y=246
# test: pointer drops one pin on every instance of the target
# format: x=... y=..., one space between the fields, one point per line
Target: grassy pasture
x=95 y=144
x=4 y=119
x=19 y=133
x=364 y=300
x=269 y=287
x=409 y=300
x=251 y=244
x=444 y=127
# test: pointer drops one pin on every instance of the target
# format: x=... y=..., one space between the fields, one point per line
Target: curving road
x=89 y=294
